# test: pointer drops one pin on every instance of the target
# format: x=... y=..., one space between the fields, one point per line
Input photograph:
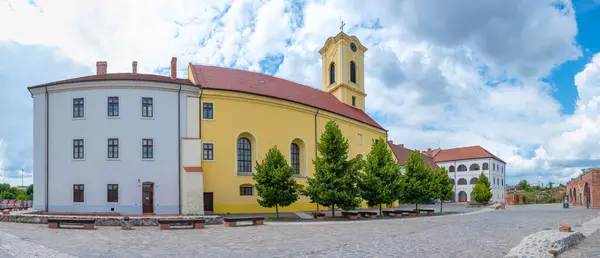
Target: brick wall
x=575 y=189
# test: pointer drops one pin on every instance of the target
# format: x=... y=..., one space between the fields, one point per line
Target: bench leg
x=88 y=226
x=230 y=224
x=52 y=225
x=258 y=222
x=198 y=225
x=165 y=226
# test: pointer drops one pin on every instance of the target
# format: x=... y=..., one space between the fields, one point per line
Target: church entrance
x=462 y=196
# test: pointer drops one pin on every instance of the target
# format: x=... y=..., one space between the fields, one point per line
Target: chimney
x=401 y=145
x=174 y=68
x=101 y=67
x=428 y=149
x=134 y=67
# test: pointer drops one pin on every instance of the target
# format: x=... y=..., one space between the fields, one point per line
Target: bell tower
x=343 y=70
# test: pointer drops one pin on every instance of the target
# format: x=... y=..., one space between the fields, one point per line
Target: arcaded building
x=584 y=190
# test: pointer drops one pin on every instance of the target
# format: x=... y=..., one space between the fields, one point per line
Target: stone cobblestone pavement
x=485 y=234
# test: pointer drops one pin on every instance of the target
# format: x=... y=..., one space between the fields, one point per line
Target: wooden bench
x=368 y=214
x=167 y=223
x=86 y=223
x=429 y=211
x=392 y=213
x=232 y=222
x=411 y=213
x=350 y=214
x=319 y=215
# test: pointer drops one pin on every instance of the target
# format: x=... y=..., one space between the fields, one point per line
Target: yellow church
x=244 y=114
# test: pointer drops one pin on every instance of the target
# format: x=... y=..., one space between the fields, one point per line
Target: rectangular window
x=113 y=106
x=208 y=151
x=207 y=110
x=78 y=149
x=112 y=193
x=354 y=101
x=245 y=190
x=78 y=108
x=113 y=148
x=77 y=193
x=147 y=107
x=147 y=149
x=360 y=139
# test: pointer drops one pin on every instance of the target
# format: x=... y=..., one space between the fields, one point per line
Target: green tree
x=380 y=181
x=29 y=192
x=417 y=181
x=274 y=181
x=335 y=177
x=522 y=185
x=550 y=185
x=11 y=194
x=4 y=188
x=442 y=187
x=482 y=192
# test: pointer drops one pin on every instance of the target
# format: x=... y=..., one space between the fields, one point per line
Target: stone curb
x=546 y=243
x=104 y=220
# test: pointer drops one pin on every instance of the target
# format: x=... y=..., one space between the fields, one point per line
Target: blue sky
x=519 y=78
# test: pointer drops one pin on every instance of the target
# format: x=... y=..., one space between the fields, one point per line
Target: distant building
x=464 y=166
x=585 y=189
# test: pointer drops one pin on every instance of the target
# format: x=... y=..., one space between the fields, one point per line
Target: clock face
x=353 y=47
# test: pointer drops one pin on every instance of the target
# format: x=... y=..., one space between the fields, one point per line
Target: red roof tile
x=220 y=78
x=402 y=153
x=119 y=76
x=471 y=152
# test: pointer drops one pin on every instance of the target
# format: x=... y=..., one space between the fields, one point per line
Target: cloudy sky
x=520 y=78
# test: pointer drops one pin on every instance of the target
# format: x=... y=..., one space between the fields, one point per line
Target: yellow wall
x=271 y=122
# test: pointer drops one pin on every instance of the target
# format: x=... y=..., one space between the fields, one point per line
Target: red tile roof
x=471 y=152
x=402 y=153
x=220 y=78
x=119 y=76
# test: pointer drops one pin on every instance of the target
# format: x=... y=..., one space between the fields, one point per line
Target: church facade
x=138 y=143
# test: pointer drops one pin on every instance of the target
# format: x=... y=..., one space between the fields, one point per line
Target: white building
x=464 y=166
x=115 y=143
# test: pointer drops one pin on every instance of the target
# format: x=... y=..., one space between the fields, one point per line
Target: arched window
x=485 y=166
x=352 y=72
x=451 y=169
x=295 y=158
x=473 y=181
x=501 y=181
x=244 y=155
x=452 y=180
x=474 y=167
x=574 y=195
x=246 y=189
x=462 y=168
x=462 y=181
x=332 y=73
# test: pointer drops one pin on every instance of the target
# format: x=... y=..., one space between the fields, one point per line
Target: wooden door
x=148 y=197
x=208 y=202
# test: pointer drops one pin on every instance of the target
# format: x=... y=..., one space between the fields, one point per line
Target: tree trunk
x=277 y=210
x=380 y=209
x=333 y=210
x=416 y=206
x=441 y=205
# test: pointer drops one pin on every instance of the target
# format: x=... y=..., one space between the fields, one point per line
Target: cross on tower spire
x=343 y=24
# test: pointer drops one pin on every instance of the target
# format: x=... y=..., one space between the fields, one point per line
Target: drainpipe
x=47 y=204
x=316 y=114
x=179 y=143
x=200 y=113
x=455 y=183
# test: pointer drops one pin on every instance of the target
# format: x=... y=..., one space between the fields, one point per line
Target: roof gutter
x=47 y=202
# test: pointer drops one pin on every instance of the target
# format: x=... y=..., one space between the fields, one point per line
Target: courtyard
x=481 y=233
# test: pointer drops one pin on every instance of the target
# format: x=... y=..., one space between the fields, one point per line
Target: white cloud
x=457 y=73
